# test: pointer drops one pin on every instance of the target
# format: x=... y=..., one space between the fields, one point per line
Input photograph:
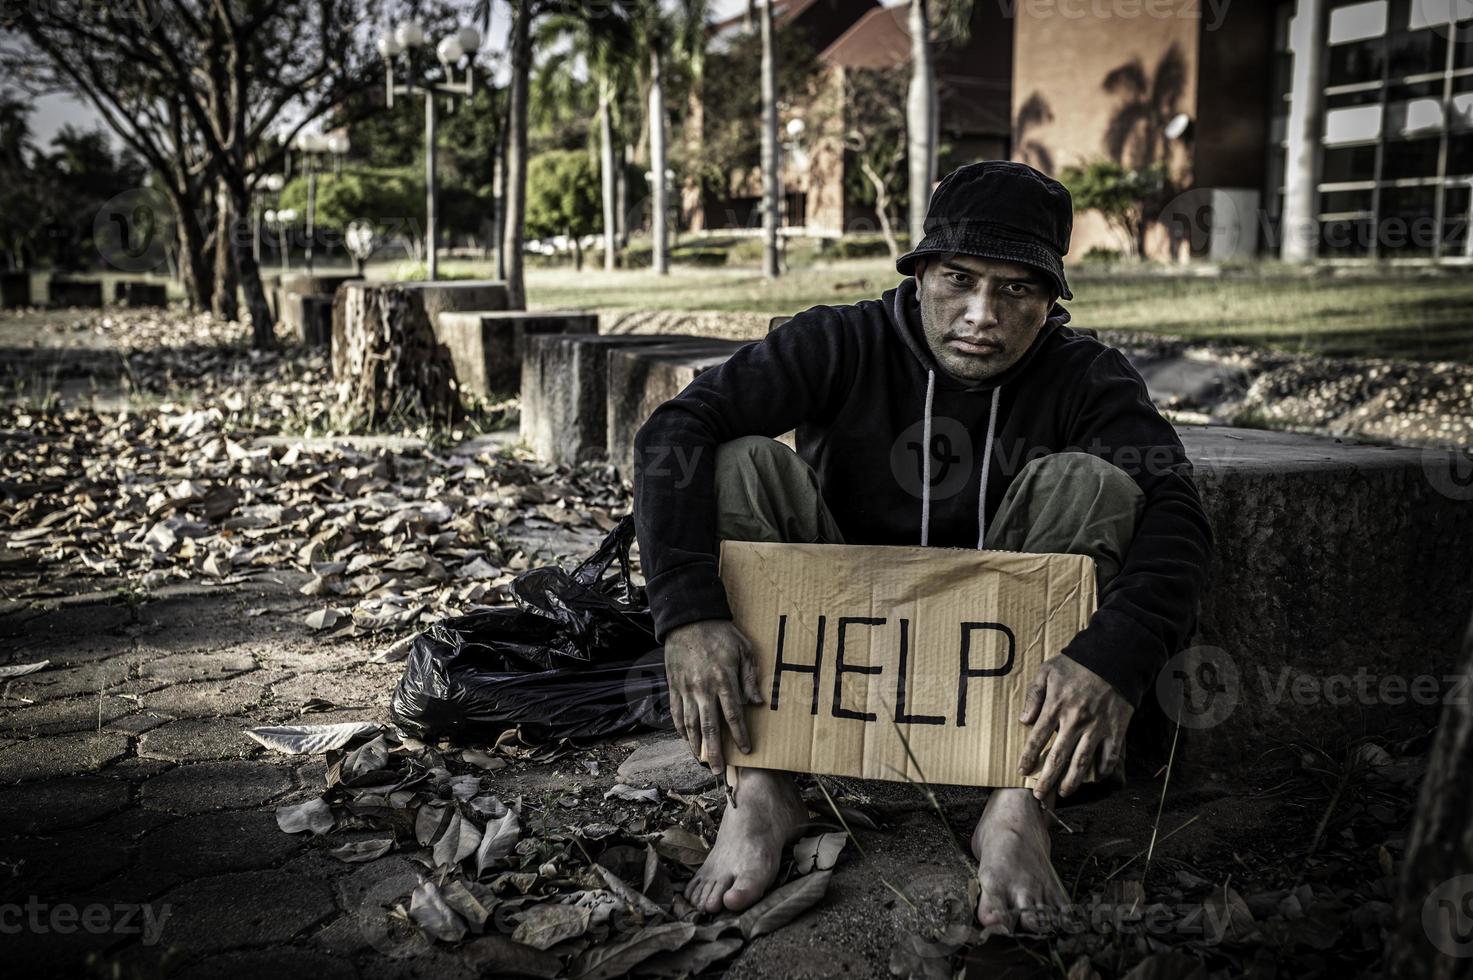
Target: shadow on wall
x=1032 y=113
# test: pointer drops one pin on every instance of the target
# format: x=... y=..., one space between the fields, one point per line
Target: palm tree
x=922 y=119
x=770 y=162
x=920 y=116
x=514 y=191
x=605 y=45
x=654 y=30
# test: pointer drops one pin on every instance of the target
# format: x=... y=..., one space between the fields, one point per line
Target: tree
x=389 y=200
x=874 y=127
x=771 y=179
x=922 y=121
x=514 y=191
x=562 y=197
x=605 y=45
x=1122 y=195
x=21 y=197
x=920 y=118
x=194 y=88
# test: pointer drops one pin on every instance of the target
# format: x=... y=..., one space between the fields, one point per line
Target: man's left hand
x=1090 y=717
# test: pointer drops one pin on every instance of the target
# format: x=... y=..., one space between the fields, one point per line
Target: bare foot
x=1019 y=884
x=749 y=846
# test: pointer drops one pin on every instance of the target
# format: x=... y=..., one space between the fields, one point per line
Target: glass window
x=1418 y=115
x=1346 y=238
x=1408 y=220
x=1416 y=52
x=1463 y=52
x=1344 y=163
x=1410 y=158
x=1460 y=155
x=1353 y=125
x=1429 y=88
x=1455 y=219
x=1362 y=96
x=1358 y=21
x=1425 y=13
x=1360 y=61
x=1461 y=111
x=1339 y=202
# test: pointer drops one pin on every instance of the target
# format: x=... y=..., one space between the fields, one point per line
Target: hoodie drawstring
x=926 y=460
x=926 y=463
x=986 y=468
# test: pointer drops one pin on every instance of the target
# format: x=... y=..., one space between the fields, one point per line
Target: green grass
x=1381 y=312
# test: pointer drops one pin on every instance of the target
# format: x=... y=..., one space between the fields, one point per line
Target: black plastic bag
x=574 y=658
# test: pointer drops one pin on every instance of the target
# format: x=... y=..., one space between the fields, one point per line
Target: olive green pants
x=1063 y=503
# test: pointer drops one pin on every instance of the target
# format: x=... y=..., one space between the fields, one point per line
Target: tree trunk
x=238 y=241
x=515 y=208
x=577 y=251
x=621 y=195
x=194 y=267
x=1434 y=938
x=920 y=121
x=606 y=163
x=771 y=179
x=498 y=202
x=882 y=207
x=659 y=207
x=225 y=301
x=386 y=361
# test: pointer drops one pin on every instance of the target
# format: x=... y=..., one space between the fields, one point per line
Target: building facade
x=1306 y=129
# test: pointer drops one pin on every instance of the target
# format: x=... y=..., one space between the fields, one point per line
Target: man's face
x=980 y=315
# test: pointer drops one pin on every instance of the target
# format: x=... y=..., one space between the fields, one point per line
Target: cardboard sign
x=857 y=645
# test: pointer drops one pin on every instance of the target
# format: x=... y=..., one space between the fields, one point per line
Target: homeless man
x=956 y=411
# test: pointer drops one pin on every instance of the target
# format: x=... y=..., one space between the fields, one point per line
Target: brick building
x=1361 y=148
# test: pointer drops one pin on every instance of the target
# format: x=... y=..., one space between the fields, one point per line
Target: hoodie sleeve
x=1148 y=611
x=797 y=374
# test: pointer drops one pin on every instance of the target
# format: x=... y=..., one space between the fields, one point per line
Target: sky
x=55 y=111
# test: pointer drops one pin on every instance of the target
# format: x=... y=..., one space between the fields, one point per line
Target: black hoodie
x=861 y=387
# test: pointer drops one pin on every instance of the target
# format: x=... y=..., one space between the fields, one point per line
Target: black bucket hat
x=999 y=209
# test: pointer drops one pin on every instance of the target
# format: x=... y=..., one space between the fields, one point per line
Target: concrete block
x=15 y=290
x=75 y=292
x=290 y=312
x=454 y=295
x=311 y=315
x=136 y=293
x=642 y=378
x=1341 y=578
x=565 y=392
x=487 y=346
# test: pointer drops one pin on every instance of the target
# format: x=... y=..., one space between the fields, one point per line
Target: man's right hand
x=712 y=677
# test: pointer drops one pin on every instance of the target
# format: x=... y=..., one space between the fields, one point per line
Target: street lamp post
x=281 y=221
x=451 y=51
x=313 y=148
x=271 y=184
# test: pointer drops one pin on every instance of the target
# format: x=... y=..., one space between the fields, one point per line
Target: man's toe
x=743 y=893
